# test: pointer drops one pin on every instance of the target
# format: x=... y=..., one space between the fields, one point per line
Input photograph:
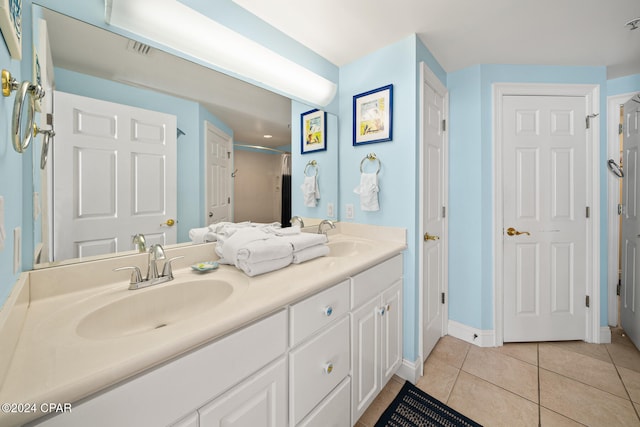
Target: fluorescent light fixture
x=179 y=27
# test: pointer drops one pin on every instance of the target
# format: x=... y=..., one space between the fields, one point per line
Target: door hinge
x=587 y=301
x=228 y=199
x=620 y=209
x=444 y=212
x=444 y=125
x=588 y=212
x=228 y=155
x=442 y=297
x=620 y=127
x=618 y=286
x=589 y=117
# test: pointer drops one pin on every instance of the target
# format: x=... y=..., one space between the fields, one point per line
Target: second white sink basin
x=347 y=248
x=152 y=308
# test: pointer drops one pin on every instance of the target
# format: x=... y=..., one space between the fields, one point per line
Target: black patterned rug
x=415 y=408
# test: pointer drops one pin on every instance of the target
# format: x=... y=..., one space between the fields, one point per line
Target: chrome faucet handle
x=167 y=270
x=136 y=276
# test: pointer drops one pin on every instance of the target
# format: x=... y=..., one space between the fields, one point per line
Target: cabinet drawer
x=310 y=315
x=334 y=411
x=317 y=367
x=375 y=280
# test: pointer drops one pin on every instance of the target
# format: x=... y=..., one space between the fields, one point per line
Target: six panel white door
x=433 y=221
x=630 y=291
x=218 y=158
x=114 y=176
x=544 y=198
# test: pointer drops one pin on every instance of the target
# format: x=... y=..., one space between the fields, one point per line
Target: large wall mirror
x=202 y=113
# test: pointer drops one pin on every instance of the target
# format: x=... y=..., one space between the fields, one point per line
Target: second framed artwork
x=373 y=116
x=313 y=126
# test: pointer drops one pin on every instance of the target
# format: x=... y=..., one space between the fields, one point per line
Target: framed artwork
x=373 y=116
x=313 y=126
x=11 y=26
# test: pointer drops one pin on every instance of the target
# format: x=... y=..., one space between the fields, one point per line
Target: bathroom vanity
x=309 y=345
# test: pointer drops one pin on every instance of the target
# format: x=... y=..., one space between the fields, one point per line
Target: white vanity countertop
x=53 y=364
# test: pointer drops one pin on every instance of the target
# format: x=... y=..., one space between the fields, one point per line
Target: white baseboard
x=410 y=371
x=605 y=335
x=471 y=335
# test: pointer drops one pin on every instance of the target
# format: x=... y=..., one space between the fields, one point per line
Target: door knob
x=513 y=232
x=170 y=222
x=428 y=236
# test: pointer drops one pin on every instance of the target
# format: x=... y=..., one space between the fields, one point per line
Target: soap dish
x=205 y=266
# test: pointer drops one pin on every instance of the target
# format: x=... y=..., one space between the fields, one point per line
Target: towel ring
x=312 y=163
x=615 y=169
x=372 y=157
x=9 y=84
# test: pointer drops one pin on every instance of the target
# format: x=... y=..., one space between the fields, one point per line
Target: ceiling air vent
x=139 y=48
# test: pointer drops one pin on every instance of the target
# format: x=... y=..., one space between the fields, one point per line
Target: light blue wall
x=471 y=185
x=397 y=65
x=621 y=85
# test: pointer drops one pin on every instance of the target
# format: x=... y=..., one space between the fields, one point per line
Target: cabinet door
x=260 y=401
x=365 y=351
x=391 y=330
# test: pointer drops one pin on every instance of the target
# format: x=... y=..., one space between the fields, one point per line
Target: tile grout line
x=623 y=383
x=458 y=375
x=539 y=394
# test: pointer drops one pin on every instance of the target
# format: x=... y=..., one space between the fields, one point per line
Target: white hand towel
x=264 y=250
x=310 y=253
x=253 y=269
x=310 y=191
x=305 y=240
x=368 y=191
x=287 y=231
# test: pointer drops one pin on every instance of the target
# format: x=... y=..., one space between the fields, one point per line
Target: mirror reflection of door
x=114 y=177
x=630 y=224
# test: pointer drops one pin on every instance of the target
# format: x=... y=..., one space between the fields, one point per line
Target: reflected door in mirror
x=114 y=176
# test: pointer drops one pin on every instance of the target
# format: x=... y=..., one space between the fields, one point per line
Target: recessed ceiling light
x=268 y=136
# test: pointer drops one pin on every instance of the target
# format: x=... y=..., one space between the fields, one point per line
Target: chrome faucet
x=298 y=220
x=140 y=243
x=156 y=253
x=325 y=222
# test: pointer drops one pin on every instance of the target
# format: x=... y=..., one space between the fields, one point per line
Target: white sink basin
x=153 y=308
x=347 y=248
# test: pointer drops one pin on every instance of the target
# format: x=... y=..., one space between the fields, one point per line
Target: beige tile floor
x=531 y=384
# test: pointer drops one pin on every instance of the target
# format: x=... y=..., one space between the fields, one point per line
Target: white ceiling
x=461 y=33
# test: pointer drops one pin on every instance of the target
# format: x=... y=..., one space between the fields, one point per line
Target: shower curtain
x=285 y=219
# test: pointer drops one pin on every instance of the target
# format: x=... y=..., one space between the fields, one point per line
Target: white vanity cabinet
x=376 y=327
x=177 y=392
x=319 y=360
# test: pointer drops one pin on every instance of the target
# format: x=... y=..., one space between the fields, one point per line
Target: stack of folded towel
x=258 y=250
x=221 y=230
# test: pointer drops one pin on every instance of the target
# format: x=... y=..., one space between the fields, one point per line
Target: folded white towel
x=287 y=231
x=241 y=238
x=305 y=240
x=197 y=235
x=264 y=250
x=256 y=268
x=310 y=253
x=310 y=191
x=368 y=191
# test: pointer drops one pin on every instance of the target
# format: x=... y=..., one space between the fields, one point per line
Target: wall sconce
x=179 y=27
